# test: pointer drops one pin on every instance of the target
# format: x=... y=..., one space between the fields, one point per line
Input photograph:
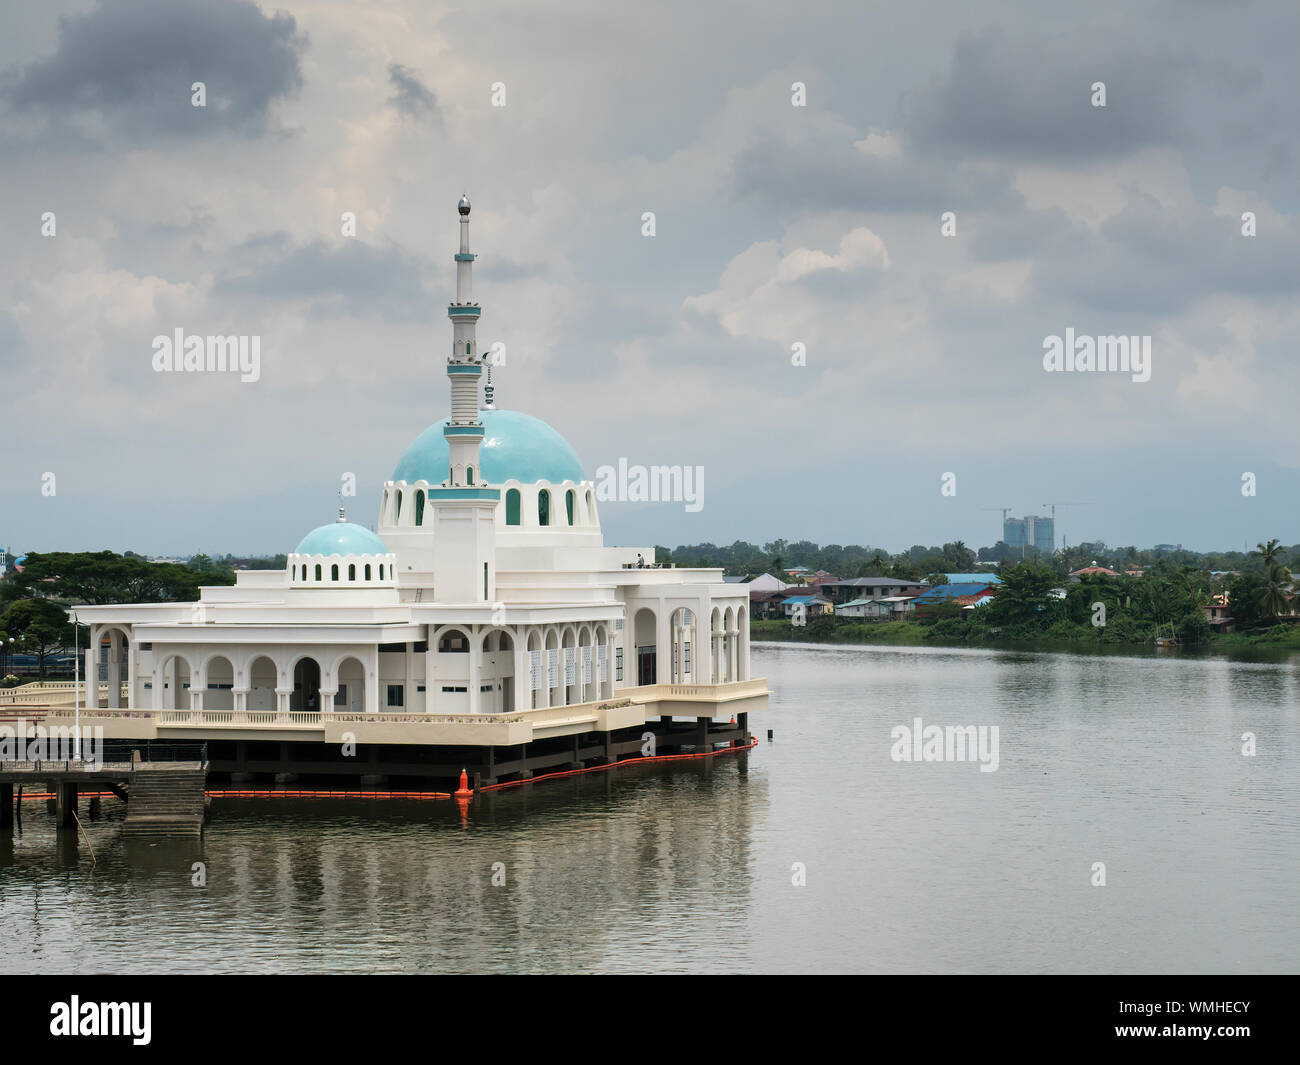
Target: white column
x=663 y=645
x=429 y=669
x=475 y=661
x=327 y=701
x=132 y=670
x=373 y=705
x=115 y=650
x=408 y=698
x=523 y=677
x=607 y=691
x=90 y=671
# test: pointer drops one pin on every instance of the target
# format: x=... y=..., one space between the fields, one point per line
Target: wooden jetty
x=162 y=798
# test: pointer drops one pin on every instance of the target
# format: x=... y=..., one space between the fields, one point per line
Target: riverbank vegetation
x=1096 y=608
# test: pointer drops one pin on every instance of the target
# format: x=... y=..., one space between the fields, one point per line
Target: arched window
x=469 y=474
x=295 y=573
x=381 y=571
x=397 y=513
x=352 y=571
x=318 y=571
x=467 y=347
x=568 y=503
x=419 y=507
x=367 y=571
x=512 y=507
x=543 y=507
x=334 y=572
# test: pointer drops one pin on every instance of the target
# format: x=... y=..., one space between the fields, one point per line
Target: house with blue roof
x=973 y=593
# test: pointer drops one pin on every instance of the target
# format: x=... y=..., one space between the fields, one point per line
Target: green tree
x=106 y=577
x=1023 y=596
x=1272 y=598
x=40 y=627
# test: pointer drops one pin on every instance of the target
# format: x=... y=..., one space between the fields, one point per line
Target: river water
x=1135 y=762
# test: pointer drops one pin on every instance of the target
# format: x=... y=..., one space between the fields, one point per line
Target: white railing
x=542 y=717
x=52 y=693
x=237 y=718
x=734 y=689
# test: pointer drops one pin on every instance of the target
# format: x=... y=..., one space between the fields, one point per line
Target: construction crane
x=1054 y=506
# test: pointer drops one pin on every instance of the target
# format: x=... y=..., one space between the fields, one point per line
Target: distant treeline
x=919 y=561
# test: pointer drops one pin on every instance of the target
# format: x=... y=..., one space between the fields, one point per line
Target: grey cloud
x=351 y=278
x=1030 y=98
x=134 y=61
x=13 y=348
x=818 y=174
x=411 y=96
x=1149 y=259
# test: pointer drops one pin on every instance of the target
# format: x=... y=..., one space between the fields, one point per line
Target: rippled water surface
x=932 y=867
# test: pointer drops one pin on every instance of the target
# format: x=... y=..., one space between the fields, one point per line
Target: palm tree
x=1269 y=552
x=1273 y=599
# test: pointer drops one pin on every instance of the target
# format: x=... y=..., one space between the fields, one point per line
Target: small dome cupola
x=342 y=555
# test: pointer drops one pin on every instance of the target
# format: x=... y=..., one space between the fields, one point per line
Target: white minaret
x=464 y=508
x=465 y=432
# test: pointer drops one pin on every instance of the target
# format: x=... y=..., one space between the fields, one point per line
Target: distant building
x=765 y=604
x=814 y=605
x=890 y=608
x=1219 y=614
x=1031 y=531
x=971 y=578
x=1092 y=571
x=971 y=594
x=762 y=582
x=863 y=608
x=870 y=588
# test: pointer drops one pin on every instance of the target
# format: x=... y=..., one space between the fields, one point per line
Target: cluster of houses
x=811 y=595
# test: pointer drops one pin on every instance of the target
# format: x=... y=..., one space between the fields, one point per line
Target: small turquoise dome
x=341 y=538
x=515 y=447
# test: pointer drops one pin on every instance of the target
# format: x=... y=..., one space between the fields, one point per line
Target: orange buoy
x=463 y=792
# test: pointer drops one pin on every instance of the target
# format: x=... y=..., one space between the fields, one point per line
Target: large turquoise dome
x=515 y=447
x=341 y=538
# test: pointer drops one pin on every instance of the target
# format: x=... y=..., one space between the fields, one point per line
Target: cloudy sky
x=776 y=225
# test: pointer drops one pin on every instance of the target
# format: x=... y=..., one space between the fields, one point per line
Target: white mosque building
x=487 y=594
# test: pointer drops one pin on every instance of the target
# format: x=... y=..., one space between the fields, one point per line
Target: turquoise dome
x=515 y=447
x=341 y=538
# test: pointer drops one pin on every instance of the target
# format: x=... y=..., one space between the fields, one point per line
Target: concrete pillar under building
x=65 y=798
